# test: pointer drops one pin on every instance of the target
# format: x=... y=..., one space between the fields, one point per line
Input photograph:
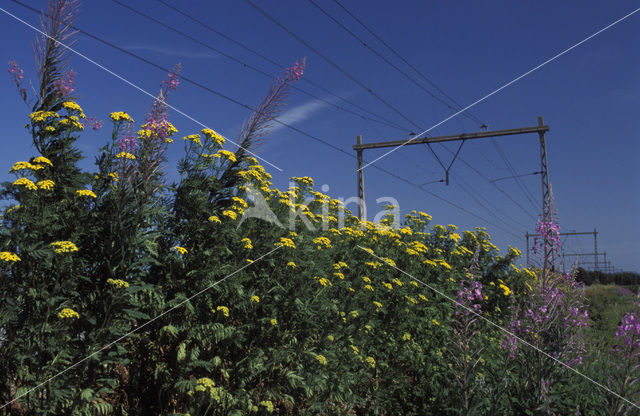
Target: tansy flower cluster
x=120 y=116
x=40 y=116
x=194 y=138
x=69 y=122
x=226 y=154
x=231 y=214
x=322 y=242
x=72 y=106
x=9 y=257
x=27 y=183
x=125 y=155
x=45 y=184
x=218 y=139
x=118 y=283
x=63 y=247
x=247 y=243
x=25 y=165
x=86 y=192
x=68 y=313
x=224 y=310
x=180 y=250
x=285 y=242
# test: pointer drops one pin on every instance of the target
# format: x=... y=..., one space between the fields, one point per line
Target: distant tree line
x=619 y=278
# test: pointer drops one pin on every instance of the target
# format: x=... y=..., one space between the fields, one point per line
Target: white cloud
x=172 y=52
x=299 y=113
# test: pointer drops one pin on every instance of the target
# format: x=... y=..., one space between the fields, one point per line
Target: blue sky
x=589 y=97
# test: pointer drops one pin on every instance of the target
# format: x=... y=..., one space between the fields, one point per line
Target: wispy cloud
x=299 y=113
x=172 y=52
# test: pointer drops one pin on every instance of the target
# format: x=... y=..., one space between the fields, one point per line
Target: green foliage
x=153 y=299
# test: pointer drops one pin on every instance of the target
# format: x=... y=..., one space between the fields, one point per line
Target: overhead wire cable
x=282 y=67
x=387 y=61
x=420 y=73
x=309 y=135
x=251 y=67
x=332 y=63
x=346 y=29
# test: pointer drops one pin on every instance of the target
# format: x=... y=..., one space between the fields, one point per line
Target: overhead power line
x=346 y=29
x=299 y=39
x=306 y=134
x=332 y=63
x=378 y=119
x=420 y=73
x=282 y=67
x=388 y=62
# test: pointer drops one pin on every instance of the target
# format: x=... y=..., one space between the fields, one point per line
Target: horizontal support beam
x=453 y=137
x=583 y=233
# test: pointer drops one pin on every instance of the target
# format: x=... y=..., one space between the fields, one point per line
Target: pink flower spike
x=295 y=72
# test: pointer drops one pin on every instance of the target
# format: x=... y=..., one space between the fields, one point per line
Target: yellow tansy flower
x=40 y=116
x=9 y=257
x=325 y=282
x=125 y=155
x=231 y=214
x=506 y=289
x=224 y=310
x=322 y=242
x=321 y=359
x=371 y=361
x=247 y=243
x=64 y=247
x=68 y=313
x=214 y=219
x=121 y=116
x=86 y=192
x=27 y=183
x=213 y=135
x=45 y=184
x=274 y=322
x=180 y=250
x=291 y=264
x=226 y=154
x=117 y=283
x=285 y=242
x=255 y=299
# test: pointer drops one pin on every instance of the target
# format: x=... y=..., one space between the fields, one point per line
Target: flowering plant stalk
x=626 y=360
x=463 y=346
x=550 y=319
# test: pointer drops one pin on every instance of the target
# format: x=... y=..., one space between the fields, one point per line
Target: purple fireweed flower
x=171 y=83
x=470 y=295
x=295 y=72
x=549 y=231
x=16 y=71
x=92 y=122
x=127 y=143
x=65 y=84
